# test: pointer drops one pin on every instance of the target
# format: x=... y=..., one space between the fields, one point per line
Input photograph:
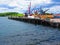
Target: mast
x=29 y=8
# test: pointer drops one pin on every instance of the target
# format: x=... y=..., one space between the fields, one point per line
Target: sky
x=22 y=5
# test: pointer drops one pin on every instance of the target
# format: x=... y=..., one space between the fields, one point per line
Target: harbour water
x=14 y=32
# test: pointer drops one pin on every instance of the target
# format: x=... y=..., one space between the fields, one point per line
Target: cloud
x=6 y=6
x=22 y=5
x=54 y=9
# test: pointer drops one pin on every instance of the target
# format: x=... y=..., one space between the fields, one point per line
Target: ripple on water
x=20 y=33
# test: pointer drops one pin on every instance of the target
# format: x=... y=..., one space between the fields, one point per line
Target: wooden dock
x=36 y=21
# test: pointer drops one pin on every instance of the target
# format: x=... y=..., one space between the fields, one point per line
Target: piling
x=36 y=21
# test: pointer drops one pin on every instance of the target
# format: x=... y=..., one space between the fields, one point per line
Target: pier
x=36 y=21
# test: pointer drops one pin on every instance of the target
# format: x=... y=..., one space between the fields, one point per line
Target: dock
x=36 y=21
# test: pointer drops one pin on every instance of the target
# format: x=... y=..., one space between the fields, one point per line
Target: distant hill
x=11 y=14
